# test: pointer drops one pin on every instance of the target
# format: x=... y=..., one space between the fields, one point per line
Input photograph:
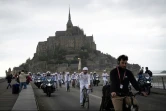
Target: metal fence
x=159 y=82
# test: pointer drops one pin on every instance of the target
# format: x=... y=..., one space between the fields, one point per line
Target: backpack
x=106 y=91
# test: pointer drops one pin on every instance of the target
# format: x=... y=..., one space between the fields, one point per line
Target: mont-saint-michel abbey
x=61 y=52
x=73 y=38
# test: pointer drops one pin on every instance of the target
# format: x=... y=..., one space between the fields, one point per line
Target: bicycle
x=85 y=97
x=73 y=83
x=68 y=86
x=107 y=105
x=60 y=83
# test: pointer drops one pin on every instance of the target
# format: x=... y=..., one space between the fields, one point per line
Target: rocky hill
x=65 y=60
x=163 y=71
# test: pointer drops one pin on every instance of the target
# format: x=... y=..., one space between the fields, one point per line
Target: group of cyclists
x=119 y=78
x=76 y=79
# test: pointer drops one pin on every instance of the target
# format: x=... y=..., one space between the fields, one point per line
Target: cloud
x=132 y=27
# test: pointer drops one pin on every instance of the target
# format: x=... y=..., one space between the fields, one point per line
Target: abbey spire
x=69 y=23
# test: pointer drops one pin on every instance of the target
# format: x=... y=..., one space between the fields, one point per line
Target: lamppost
x=79 y=64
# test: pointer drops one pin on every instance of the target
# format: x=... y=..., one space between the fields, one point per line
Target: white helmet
x=74 y=72
x=48 y=72
x=104 y=71
x=90 y=72
x=85 y=68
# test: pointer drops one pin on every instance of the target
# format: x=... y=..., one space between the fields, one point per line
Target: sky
x=136 y=28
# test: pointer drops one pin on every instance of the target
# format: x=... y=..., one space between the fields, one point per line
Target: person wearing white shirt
x=73 y=78
x=105 y=77
x=67 y=80
x=60 y=77
x=55 y=79
x=84 y=82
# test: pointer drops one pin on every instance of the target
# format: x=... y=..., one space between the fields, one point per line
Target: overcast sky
x=136 y=28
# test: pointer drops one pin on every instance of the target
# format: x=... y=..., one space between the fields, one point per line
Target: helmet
x=38 y=73
x=67 y=73
x=74 y=72
x=85 y=68
x=48 y=73
x=104 y=71
x=90 y=72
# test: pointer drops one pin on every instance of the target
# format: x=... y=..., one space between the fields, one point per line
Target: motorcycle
x=145 y=84
x=48 y=87
x=148 y=83
x=38 y=82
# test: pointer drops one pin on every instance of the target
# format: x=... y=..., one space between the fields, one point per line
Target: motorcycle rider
x=120 y=78
x=105 y=76
x=96 y=79
x=60 y=77
x=48 y=76
x=38 y=76
x=149 y=72
x=67 y=79
x=84 y=81
x=141 y=76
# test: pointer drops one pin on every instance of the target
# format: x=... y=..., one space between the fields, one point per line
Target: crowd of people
x=119 y=78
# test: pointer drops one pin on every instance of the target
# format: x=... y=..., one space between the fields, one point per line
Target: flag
x=79 y=65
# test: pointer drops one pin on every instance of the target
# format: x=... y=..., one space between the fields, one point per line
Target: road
x=7 y=99
x=62 y=100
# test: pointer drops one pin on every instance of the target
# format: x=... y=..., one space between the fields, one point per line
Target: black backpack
x=106 y=98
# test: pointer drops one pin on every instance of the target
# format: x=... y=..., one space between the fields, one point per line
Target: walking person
x=22 y=79
x=67 y=80
x=9 y=80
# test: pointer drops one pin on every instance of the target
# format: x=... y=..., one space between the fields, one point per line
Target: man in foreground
x=120 y=78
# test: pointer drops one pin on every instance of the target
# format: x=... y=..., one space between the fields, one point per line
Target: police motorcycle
x=145 y=83
x=38 y=80
x=96 y=79
x=48 y=84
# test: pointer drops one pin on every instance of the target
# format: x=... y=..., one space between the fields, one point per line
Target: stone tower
x=69 y=24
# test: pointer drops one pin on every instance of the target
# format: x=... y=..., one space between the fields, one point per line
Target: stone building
x=73 y=38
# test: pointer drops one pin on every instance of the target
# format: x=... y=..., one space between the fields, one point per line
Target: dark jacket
x=149 y=72
x=9 y=78
x=115 y=81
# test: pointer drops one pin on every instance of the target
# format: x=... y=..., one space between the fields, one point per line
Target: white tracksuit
x=105 y=78
x=84 y=81
x=67 y=80
x=56 y=80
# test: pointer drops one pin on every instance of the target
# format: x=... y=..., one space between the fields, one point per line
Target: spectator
x=9 y=80
x=22 y=79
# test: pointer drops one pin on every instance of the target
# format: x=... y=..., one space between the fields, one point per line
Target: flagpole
x=79 y=65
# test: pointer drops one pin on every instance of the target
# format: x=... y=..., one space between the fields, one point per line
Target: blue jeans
x=23 y=84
